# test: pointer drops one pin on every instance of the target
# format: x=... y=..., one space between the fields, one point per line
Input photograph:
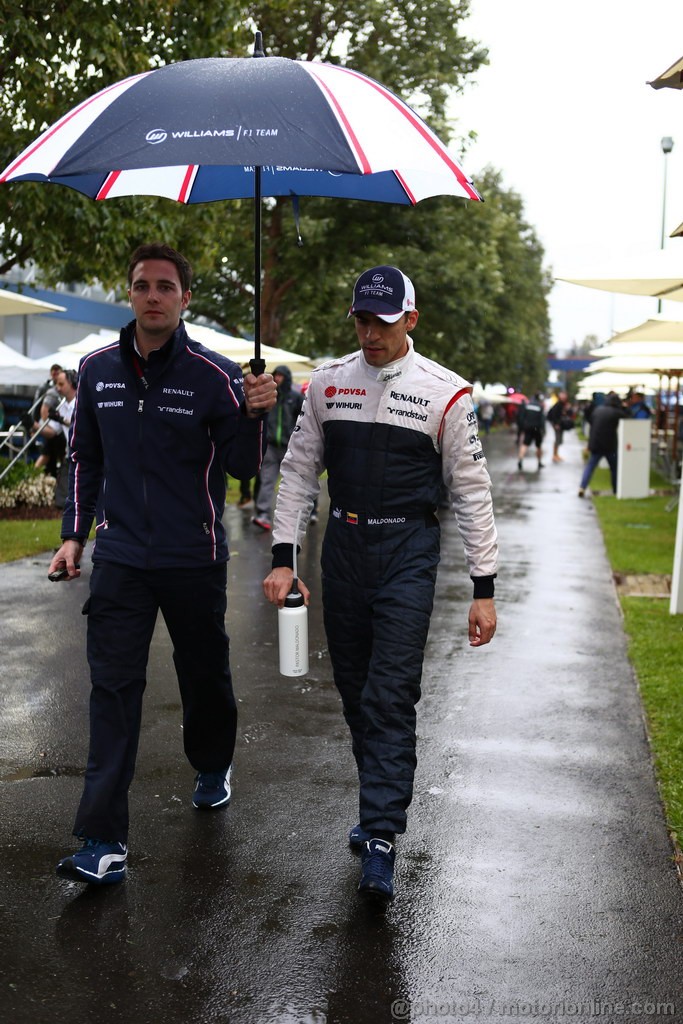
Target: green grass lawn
x=639 y=533
x=20 y=538
x=640 y=537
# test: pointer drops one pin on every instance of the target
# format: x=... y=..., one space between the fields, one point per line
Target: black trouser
x=378 y=593
x=122 y=612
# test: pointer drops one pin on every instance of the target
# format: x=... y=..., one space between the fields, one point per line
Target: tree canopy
x=478 y=268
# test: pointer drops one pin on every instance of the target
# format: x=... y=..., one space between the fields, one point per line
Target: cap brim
x=378 y=309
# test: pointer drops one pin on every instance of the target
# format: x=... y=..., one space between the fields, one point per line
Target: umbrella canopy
x=195 y=131
x=657 y=329
x=669 y=364
x=659 y=275
x=13 y=304
x=672 y=78
x=516 y=398
x=654 y=350
x=603 y=381
x=223 y=128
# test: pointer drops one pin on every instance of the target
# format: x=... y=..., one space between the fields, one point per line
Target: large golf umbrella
x=225 y=128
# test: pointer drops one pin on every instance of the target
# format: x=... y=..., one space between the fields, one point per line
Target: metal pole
x=667 y=146
x=258 y=365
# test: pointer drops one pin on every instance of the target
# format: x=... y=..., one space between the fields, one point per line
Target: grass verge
x=21 y=538
x=639 y=537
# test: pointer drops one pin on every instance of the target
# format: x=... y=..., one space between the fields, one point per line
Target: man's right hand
x=278 y=584
x=68 y=557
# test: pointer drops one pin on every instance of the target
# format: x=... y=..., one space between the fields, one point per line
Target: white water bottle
x=292 y=622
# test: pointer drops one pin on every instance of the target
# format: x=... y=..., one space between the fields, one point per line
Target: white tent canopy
x=17 y=370
x=240 y=350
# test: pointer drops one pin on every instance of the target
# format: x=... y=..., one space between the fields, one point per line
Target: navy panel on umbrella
x=215 y=183
x=248 y=115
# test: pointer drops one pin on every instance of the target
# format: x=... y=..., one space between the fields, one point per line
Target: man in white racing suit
x=391 y=428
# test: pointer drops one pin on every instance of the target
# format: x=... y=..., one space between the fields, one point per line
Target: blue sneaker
x=96 y=862
x=357 y=836
x=377 y=871
x=212 y=790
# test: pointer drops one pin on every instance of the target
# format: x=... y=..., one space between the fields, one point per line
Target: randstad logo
x=155 y=136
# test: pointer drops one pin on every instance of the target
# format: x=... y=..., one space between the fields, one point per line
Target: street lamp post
x=667 y=146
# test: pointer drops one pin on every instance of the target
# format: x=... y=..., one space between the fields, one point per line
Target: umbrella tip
x=258 y=45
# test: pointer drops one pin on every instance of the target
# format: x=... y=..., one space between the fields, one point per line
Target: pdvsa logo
x=331 y=391
x=155 y=136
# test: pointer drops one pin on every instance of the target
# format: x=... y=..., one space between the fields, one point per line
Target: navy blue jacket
x=150 y=447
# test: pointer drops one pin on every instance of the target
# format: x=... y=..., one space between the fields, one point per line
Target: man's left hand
x=482 y=621
x=260 y=394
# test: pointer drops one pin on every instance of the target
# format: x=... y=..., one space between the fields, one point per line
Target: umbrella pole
x=257 y=364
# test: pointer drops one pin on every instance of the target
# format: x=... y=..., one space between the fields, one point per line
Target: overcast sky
x=564 y=111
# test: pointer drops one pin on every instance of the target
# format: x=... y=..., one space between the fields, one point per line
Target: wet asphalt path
x=536 y=880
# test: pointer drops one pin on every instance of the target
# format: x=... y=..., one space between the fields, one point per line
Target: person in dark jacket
x=531 y=420
x=158 y=422
x=281 y=423
x=602 y=443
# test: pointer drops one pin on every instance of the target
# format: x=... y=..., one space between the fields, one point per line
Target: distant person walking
x=531 y=423
x=485 y=415
x=602 y=443
x=558 y=417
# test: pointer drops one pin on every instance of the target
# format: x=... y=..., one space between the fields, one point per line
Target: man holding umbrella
x=390 y=427
x=159 y=420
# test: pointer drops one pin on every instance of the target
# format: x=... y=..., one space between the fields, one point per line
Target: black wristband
x=283 y=555
x=483 y=586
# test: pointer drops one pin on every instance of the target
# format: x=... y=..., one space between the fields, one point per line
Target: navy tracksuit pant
x=122 y=612
x=378 y=594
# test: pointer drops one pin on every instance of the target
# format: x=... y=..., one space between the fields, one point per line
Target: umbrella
x=621 y=383
x=658 y=350
x=672 y=78
x=224 y=128
x=13 y=304
x=658 y=275
x=669 y=364
x=657 y=329
x=515 y=398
